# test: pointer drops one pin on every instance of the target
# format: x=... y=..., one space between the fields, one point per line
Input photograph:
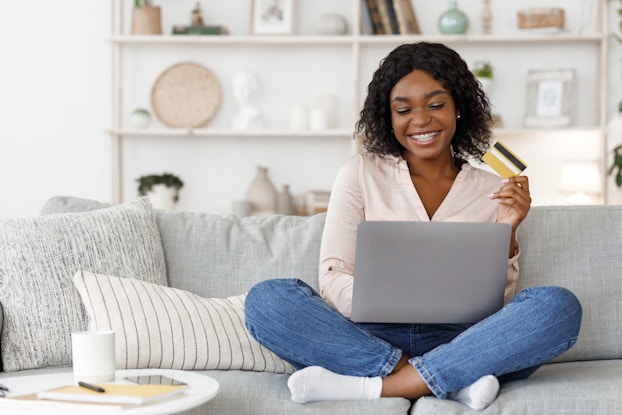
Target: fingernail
x=504 y=181
x=490 y=196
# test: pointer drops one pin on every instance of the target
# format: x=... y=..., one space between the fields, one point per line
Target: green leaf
x=619 y=179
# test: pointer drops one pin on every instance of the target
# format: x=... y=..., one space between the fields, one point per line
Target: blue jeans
x=291 y=319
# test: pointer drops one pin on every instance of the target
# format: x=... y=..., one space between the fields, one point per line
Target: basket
x=541 y=18
x=186 y=95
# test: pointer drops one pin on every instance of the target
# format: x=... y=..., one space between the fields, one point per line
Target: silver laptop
x=429 y=272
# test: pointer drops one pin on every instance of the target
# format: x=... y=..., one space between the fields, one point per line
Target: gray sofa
x=576 y=247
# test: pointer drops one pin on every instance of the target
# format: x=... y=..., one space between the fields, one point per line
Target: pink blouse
x=370 y=187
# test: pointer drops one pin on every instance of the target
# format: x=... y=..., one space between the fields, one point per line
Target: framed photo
x=272 y=17
x=550 y=98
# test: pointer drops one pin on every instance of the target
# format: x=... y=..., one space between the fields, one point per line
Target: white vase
x=163 y=197
x=331 y=25
x=285 y=202
x=262 y=194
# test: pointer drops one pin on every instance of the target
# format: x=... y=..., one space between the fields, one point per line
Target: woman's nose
x=419 y=117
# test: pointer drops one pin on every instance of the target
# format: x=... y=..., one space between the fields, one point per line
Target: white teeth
x=423 y=137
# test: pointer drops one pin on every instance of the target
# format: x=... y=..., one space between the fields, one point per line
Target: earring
x=458 y=116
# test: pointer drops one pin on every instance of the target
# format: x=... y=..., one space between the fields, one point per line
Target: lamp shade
x=581 y=176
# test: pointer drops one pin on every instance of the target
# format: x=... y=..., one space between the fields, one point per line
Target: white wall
x=54 y=104
x=54 y=109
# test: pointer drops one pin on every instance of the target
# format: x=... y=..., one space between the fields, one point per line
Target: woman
x=424 y=115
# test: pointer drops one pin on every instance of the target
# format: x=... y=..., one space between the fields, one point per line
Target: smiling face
x=423 y=116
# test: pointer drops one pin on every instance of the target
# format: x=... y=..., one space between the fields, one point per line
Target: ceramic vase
x=262 y=194
x=140 y=118
x=285 y=202
x=453 y=21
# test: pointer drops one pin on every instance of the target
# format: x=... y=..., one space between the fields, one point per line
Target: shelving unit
x=361 y=54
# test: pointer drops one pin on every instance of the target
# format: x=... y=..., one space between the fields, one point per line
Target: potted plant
x=145 y=18
x=484 y=72
x=483 y=69
x=162 y=189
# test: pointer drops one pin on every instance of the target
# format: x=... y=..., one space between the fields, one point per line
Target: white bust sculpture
x=246 y=86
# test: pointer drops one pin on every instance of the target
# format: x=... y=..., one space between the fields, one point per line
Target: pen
x=3 y=390
x=91 y=387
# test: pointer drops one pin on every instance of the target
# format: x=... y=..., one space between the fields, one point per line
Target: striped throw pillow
x=164 y=327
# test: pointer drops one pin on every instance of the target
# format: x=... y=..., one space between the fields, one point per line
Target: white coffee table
x=200 y=389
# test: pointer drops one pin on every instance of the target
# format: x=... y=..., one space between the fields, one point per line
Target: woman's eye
x=437 y=105
x=402 y=110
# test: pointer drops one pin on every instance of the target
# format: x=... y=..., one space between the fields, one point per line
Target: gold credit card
x=504 y=161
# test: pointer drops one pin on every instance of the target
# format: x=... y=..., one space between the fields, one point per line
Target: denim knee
x=562 y=306
x=260 y=296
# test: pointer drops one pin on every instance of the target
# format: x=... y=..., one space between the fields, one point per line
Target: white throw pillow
x=164 y=327
x=40 y=255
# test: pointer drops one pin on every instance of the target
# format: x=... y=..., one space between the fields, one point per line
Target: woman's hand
x=514 y=202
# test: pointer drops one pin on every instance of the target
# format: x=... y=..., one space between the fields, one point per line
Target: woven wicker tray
x=186 y=95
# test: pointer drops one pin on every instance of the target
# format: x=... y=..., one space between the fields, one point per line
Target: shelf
x=204 y=132
x=229 y=40
x=350 y=39
x=338 y=133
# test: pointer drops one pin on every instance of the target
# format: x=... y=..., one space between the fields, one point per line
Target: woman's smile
x=423 y=137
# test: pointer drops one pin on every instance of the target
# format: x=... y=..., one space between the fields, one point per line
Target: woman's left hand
x=514 y=201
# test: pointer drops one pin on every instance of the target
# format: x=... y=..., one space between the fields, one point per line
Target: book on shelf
x=393 y=17
x=367 y=28
x=114 y=393
x=406 y=18
x=200 y=30
x=374 y=14
x=385 y=8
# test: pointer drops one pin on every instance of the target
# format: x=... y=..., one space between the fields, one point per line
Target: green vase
x=453 y=21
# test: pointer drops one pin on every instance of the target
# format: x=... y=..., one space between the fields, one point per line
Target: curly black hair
x=474 y=128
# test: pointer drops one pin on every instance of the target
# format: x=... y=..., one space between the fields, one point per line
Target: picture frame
x=550 y=98
x=272 y=17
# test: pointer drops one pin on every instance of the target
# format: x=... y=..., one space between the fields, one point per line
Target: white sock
x=314 y=383
x=478 y=395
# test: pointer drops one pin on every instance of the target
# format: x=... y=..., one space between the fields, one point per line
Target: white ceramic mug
x=93 y=354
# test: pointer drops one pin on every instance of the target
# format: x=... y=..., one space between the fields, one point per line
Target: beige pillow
x=163 y=327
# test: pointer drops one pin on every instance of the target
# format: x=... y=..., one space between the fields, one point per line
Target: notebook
x=429 y=272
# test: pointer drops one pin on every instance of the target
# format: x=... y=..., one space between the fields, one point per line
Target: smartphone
x=154 y=380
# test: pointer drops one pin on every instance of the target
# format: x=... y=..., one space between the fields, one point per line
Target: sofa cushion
x=268 y=394
x=38 y=258
x=220 y=256
x=580 y=248
x=164 y=327
x=555 y=389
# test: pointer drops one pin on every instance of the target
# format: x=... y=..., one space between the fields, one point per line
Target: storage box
x=541 y=18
